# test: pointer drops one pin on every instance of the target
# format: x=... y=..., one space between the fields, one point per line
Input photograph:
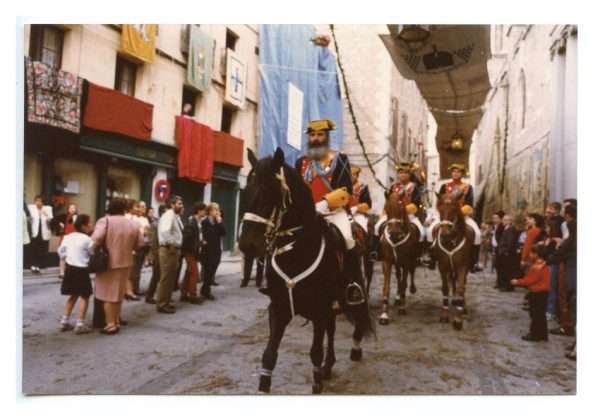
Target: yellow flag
x=139 y=41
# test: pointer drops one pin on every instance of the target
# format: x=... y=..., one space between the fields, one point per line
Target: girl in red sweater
x=538 y=282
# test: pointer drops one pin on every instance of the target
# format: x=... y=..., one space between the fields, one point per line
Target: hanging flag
x=199 y=69
x=139 y=41
x=235 y=83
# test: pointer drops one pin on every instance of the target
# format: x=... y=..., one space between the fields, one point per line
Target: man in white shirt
x=41 y=215
x=170 y=238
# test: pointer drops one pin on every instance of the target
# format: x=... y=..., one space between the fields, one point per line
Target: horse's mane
x=266 y=180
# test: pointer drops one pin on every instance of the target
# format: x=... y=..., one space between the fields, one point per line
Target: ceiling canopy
x=449 y=65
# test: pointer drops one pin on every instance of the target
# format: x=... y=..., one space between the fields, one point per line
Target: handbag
x=99 y=259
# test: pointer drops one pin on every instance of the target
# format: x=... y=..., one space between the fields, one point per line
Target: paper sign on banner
x=295 y=105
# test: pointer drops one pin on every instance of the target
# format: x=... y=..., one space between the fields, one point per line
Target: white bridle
x=273 y=225
x=386 y=234
x=446 y=251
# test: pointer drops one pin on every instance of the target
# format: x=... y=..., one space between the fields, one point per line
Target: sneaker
x=82 y=330
x=65 y=327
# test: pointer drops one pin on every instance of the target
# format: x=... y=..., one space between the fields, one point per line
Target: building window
x=523 y=99
x=226 y=119
x=46 y=45
x=188 y=97
x=125 y=77
x=230 y=40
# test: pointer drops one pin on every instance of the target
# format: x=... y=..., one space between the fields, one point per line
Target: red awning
x=113 y=111
x=228 y=149
x=195 y=144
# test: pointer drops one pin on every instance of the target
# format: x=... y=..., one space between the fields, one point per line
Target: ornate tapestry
x=53 y=96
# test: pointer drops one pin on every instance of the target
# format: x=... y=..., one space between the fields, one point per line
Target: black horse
x=304 y=266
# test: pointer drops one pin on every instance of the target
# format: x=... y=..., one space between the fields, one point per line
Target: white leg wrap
x=476 y=229
x=355 y=344
x=413 y=219
x=382 y=220
x=430 y=230
x=340 y=219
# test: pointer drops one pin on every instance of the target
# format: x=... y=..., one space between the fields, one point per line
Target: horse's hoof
x=413 y=289
x=264 y=385
x=355 y=354
x=402 y=311
x=457 y=325
x=317 y=388
x=384 y=321
x=326 y=373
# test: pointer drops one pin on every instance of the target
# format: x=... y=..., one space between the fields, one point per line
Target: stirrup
x=354 y=294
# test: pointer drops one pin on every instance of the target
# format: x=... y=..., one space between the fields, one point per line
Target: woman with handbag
x=121 y=238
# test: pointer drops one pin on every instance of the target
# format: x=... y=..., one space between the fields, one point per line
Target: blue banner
x=287 y=55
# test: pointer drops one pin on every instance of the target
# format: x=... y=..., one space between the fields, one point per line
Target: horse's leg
x=277 y=325
x=445 y=317
x=387 y=271
x=459 y=298
x=330 y=356
x=412 y=268
x=356 y=352
x=401 y=278
x=316 y=355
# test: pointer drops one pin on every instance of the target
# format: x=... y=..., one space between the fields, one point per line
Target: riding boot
x=374 y=255
x=474 y=257
x=353 y=293
x=431 y=264
x=260 y=268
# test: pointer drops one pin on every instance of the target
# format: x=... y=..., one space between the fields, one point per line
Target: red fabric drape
x=195 y=144
x=113 y=111
x=228 y=149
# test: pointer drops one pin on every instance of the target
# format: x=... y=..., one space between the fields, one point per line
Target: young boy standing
x=75 y=250
x=538 y=282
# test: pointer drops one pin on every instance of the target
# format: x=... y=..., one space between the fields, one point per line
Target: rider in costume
x=411 y=194
x=457 y=185
x=328 y=175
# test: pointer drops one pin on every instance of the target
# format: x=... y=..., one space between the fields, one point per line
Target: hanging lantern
x=457 y=142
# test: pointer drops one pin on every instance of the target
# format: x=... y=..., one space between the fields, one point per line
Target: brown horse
x=364 y=244
x=452 y=240
x=399 y=248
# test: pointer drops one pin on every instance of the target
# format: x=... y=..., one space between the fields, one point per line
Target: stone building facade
x=106 y=164
x=524 y=153
x=391 y=115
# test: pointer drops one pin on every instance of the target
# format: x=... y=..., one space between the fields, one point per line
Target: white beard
x=317 y=152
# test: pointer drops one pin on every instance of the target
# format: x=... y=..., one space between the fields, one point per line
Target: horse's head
x=397 y=218
x=269 y=200
x=451 y=217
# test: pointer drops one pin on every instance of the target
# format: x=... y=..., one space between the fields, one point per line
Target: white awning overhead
x=449 y=65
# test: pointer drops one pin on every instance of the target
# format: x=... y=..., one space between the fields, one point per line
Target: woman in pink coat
x=122 y=237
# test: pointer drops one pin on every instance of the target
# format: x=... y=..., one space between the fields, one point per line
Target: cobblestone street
x=215 y=348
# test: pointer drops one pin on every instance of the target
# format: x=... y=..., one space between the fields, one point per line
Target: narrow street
x=215 y=348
